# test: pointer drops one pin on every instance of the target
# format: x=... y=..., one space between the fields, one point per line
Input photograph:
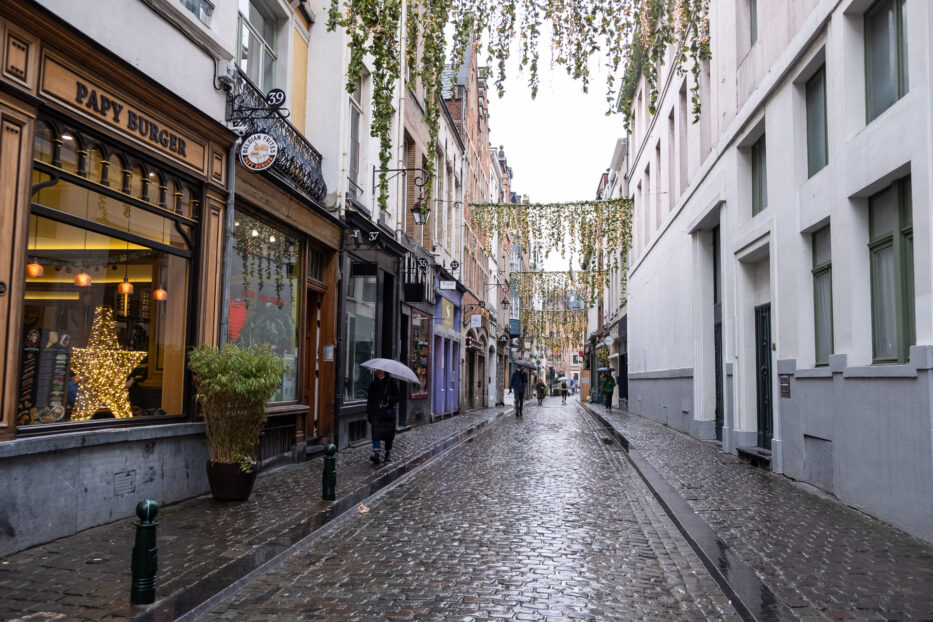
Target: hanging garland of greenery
x=554 y=330
x=598 y=232
x=559 y=289
x=373 y=26
x=630 y=33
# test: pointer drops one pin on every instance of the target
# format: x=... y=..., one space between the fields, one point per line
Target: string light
x=34 y=269
x=83 y=279
x=102 y=368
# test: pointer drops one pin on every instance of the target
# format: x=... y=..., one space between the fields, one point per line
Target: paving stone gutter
x=752 y=599
x=779 y=548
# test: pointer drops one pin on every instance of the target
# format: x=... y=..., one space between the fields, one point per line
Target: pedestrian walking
x=563 y=391
x=517 y=384
x=571 y=387
x=541 y=390
x=380 y=410
x=607 y=386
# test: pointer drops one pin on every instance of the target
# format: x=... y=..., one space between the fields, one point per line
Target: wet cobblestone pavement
x=539 y=518
x=824 y=560
x=543 y=518
x=204 y=545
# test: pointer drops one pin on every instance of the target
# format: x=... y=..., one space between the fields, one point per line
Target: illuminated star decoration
x=102 y=368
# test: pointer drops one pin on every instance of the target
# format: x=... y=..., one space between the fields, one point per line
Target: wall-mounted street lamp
x=419 y=211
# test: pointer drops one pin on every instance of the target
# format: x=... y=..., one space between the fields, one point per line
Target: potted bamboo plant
x=233 y=385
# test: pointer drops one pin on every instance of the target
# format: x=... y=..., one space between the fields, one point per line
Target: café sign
x=93 y=100
x=258 y=151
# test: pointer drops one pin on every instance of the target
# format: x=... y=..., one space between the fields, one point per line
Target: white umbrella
x=393 y=368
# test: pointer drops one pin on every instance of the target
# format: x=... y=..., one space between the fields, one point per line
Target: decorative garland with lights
x=634 y=34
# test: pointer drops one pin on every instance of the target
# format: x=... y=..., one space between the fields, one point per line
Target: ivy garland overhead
x=633 y=34
x=554 y=330
x=559 y=289
x=598 y=232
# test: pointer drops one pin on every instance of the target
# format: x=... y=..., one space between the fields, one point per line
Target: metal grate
x=278 y=436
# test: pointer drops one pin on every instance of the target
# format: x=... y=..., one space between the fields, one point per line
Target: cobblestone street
x=540 y=518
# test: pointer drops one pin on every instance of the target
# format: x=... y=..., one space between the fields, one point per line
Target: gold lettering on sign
x=91 y=100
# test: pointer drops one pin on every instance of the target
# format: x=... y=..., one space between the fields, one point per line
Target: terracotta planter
x=228 y=482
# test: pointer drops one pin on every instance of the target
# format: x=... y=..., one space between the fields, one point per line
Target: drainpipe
x=228 y=241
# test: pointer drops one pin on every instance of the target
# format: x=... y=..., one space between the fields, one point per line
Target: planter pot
x=228 y=482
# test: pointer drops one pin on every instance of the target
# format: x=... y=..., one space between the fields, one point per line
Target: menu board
x=43 y=383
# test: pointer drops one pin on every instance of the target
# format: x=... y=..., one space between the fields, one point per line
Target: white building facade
x=781 y=275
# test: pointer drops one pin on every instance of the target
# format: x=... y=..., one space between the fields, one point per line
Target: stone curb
x=750 y=596
x=194 y=601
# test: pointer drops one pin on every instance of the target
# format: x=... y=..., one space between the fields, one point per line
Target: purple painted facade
x=445 y=392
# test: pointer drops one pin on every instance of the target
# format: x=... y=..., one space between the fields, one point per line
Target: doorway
x=717 y=333
x=314 y=426
x=763 y=379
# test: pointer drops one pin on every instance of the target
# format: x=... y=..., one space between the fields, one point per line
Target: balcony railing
x=298 y=163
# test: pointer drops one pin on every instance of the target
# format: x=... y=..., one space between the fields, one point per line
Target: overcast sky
x=557 y=144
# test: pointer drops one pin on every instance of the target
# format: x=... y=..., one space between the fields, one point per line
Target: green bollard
x=145 y=554
x=329 y=478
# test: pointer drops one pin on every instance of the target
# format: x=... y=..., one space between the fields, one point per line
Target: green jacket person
x=606 y=387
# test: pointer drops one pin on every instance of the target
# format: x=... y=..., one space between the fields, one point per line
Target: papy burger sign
x=258 y=152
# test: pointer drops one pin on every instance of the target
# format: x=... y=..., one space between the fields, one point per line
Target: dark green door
x=717 y=337
x=763 y=364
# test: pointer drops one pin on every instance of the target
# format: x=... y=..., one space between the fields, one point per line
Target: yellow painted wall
x=299 y=101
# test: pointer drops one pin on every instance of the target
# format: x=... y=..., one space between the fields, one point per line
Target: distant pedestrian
x=517 y=384
x=563 y=391
x=571 y=387
x=607 y=386
x=541 y=390
x=380 y=410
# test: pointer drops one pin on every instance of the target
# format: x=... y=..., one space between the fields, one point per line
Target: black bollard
x=145 y=554
x=329 y=478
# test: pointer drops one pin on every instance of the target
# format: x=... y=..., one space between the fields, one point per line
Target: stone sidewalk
x=206 y=547
x=820 y=558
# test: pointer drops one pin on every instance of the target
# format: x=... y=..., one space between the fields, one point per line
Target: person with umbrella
x=381 y=399
x=380 y=411
x=563 y=390
x=517 y=383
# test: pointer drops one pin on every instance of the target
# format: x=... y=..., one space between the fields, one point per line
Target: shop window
x=105 y=309
x=68 y=151
x=95 y=161
x=264 y=293
x=42 y=146
x=361 y=330
x=420 y=351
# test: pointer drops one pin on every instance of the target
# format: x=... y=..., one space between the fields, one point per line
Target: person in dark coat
x=380 y=410
x=517 y=383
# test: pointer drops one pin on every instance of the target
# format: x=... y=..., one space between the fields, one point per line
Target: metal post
x=145 y=554
x=329 y=477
